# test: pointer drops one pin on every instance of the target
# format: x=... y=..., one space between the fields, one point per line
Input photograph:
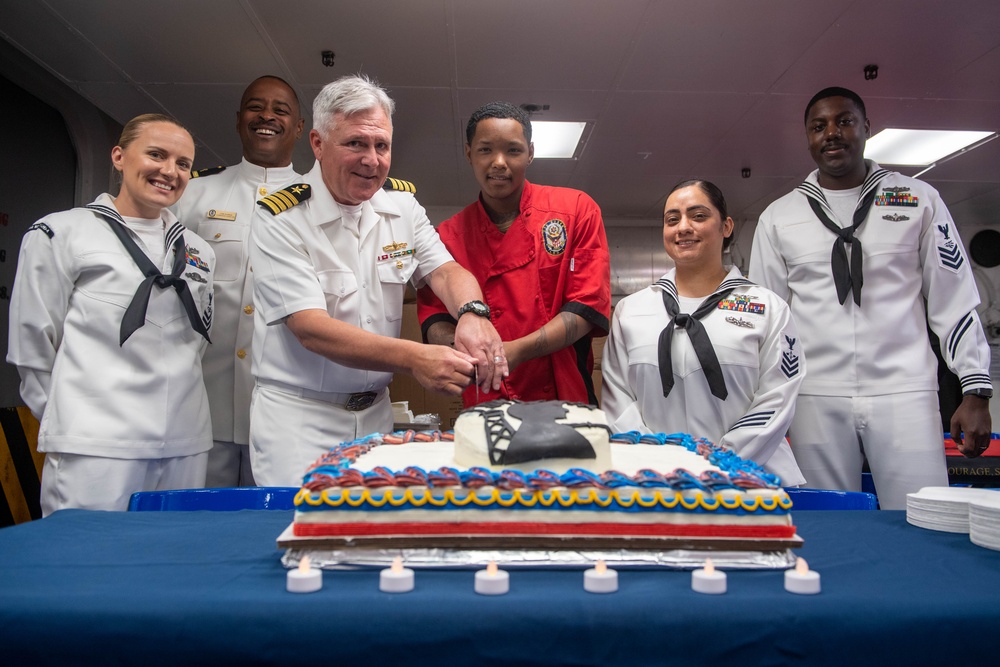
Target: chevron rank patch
x=949 y=250
x=790 y=358
x=282 y=200
x=208 y=171
x=400 y=185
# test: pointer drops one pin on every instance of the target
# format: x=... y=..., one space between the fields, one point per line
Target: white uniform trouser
x=228 y=465
x=98 y=483
x=289 y=432
x=900 y=434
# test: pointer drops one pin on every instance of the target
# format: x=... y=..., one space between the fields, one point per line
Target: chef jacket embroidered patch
x=949 y=251
x=554 y=236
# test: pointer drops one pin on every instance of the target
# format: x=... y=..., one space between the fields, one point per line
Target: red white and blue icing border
x=331 y=483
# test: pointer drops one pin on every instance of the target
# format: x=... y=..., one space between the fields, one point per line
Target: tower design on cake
x=540 y=475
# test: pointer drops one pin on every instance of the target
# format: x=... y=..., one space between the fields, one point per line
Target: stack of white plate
x=984 y=521
x=944 y=508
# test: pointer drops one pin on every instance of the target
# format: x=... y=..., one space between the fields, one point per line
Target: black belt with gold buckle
x=361 y=401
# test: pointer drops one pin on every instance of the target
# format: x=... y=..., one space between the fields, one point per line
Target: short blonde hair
x=134 y=127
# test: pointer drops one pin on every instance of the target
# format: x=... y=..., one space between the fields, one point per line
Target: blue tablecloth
x=208 y=588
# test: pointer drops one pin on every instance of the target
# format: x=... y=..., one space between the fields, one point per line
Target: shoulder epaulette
x=282 y=200
x=208 y=171
x=401 y=185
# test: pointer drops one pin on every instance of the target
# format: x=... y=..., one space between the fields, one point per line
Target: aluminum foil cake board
x=538 y=551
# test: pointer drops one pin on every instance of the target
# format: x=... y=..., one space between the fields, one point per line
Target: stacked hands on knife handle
x=476 y=337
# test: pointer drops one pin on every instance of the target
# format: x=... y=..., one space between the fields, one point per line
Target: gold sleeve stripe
x=400 y=185
x=282 y=200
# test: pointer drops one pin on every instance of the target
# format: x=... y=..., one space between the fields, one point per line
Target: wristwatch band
x=476 y=308
x=981 y=393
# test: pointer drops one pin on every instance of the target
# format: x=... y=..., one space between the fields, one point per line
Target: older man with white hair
x=331 y=258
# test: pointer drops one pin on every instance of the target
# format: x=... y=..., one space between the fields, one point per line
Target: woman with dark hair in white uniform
x=109 y=317
x=703 y=350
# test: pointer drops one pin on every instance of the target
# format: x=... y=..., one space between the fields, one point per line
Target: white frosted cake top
x=627 y=459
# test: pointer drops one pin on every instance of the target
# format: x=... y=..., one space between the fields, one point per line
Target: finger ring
x=497 y=360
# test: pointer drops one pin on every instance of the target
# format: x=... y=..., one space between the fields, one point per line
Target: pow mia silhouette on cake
x=540 y=435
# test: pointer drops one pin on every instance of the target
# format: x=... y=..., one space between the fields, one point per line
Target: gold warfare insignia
x=393 y=247
x=895 y=217
x=400 y=185
x=282 y=200
x=213 y=214
x=554 y=237
x=209 y=171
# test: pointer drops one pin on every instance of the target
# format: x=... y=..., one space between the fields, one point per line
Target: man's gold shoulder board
x=208 y=171
x=282 y=200
x=401 y=185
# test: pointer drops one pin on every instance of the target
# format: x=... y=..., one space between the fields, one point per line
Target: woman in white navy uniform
x=109 y=317
x=703 y=350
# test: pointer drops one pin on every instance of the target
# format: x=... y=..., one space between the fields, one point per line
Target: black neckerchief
x=697 y=333
x=846 y=279
x=135 y=314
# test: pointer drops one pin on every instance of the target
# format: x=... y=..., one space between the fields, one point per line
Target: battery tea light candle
x=600 y=579
x=304 y=579
x=492 y=580
x=396 y=579
x=801 y=579
x=708 y=580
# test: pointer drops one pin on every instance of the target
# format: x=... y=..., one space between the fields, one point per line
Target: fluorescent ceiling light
x=919 y=147
x=556 y=139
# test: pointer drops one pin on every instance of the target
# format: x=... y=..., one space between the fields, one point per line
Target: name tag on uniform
x=220 y=215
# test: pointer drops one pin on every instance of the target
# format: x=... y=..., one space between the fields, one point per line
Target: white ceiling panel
x=672 y=88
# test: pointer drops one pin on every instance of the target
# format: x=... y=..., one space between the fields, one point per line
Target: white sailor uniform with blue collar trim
x=95 y=396
x=912 y=255
x=143 y=399
x=756 y=342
